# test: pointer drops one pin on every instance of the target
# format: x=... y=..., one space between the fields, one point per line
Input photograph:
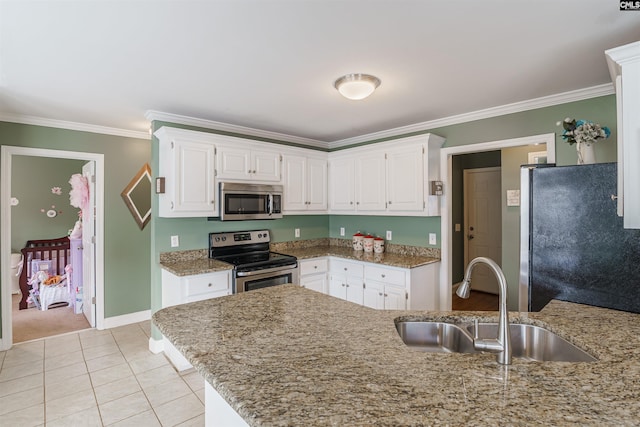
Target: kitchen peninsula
x=289 y=356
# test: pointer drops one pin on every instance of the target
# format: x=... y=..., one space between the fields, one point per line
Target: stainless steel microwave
x=239 y=201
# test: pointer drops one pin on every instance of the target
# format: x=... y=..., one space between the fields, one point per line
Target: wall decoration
x=57 y=191
x=137 y=196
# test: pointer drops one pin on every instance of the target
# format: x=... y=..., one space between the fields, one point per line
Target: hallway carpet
x=31 y=324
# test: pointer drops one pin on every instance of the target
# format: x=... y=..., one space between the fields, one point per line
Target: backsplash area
x=190 y=255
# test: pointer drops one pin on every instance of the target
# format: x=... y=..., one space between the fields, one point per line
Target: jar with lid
x=368 y=243
x=378 y=245
x=358 y=241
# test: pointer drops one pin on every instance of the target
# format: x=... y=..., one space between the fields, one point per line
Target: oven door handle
x=266 y=270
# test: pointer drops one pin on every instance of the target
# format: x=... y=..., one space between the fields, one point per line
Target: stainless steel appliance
x=574 y=247
x=255 y=266
x=239 y=201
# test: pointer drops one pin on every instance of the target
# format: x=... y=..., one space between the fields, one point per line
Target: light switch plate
x=297 y=232
x=432 y=239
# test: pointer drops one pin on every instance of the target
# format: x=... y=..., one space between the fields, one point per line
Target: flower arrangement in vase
x=584 y=134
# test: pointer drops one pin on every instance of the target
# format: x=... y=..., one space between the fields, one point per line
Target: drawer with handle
x=312 y=266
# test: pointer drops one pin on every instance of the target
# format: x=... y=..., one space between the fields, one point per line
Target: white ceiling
x=271 y=64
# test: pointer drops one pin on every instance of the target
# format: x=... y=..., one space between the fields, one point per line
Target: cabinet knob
x=380 y=294
x=210 y=285
x=347 y=285
x=357 y=203
x=385 y=295
x=350 y=203
x=382 y=275
x=389 y=201
x=343 y=285
x=345 y=269
x=315 y=266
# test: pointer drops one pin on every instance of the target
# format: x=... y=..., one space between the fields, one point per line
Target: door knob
x=470 y=236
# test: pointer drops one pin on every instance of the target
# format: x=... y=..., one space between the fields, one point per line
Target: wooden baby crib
x=55 y=250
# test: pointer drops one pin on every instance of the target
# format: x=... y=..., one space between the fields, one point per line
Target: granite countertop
x=195 y=266
x=390 y=259
x=286 y=355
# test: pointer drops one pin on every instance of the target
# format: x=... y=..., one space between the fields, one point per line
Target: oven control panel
x=238 y=238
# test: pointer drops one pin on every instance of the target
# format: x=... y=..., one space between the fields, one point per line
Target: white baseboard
x=176 y=358
x=156 y=346
x=126 y=319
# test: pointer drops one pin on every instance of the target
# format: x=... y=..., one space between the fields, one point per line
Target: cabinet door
x=405 y=179
x=341 y=185
x=316 y=184
x=370 y=182
x=295 y=171
x=234 y=163
x=355 y=290
x=374 y=294
x=265 y=166
x=315 y=282
x=395 y=298
x=193 y=179
x=338 y=286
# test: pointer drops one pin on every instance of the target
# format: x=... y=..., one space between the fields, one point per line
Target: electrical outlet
x=342 y=231
x=175 y=241
x=297 y=232
x=432 y=238
x=389 y=235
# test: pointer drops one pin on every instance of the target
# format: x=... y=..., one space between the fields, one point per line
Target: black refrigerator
x=573 y=246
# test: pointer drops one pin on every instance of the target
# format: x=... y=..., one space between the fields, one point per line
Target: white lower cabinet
x=346 y=280
x=313 y=274
x=383 y=287
x=180 y=290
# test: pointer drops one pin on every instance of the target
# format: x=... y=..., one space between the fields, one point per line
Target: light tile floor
x=97 y=378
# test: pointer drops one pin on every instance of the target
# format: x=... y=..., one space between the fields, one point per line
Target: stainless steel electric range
x=255 y=266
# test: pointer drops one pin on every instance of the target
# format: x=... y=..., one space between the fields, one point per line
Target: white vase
x=586 y=154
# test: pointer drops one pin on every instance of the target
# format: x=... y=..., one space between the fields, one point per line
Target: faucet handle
x=475 y=329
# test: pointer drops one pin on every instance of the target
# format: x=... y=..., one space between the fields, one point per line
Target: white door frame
x=446 y=154
x=7 y=154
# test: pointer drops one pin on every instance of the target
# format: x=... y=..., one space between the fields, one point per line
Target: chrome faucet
x=501 y=345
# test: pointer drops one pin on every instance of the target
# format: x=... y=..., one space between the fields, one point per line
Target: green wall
x=127 y=248
x=32 y=179
x=412 y=231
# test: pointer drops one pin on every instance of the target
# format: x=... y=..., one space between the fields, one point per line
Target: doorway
x=483 y=223
x=447 y=231
x=97 y=162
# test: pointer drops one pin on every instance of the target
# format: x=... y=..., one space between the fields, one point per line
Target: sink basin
x=535 y=343
x=435 y=337
x=528 y=342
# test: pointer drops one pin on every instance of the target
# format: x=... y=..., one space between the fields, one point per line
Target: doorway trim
x=7 y=154
x=446 y=155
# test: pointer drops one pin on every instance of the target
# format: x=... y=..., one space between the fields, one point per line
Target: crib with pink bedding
x=57 y=251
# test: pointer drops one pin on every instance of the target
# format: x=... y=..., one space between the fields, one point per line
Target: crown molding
x=152 y=115
x=83 y=127
x=516 y=107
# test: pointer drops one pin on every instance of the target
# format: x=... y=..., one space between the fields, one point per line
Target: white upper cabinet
x=186 y=161
x=370 y=178
x=248 y=164
x=624 y=67
x=405 y=179
x=390 y=178
x=305 y=183
x=342 y=185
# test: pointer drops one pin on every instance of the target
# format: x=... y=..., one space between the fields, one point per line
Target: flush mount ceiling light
x=357 y=86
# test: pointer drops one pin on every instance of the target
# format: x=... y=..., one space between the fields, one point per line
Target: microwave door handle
x=269 y=203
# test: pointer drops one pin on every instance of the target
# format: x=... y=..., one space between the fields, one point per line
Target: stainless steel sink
x=528 y=342
x=535 y=343
x=435 y=337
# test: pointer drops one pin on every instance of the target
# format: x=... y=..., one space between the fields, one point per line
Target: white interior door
x=483 y=224
x=88 y=248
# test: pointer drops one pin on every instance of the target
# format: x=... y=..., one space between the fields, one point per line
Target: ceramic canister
x=358 y=241
x=378 y=245
x=368 y=243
